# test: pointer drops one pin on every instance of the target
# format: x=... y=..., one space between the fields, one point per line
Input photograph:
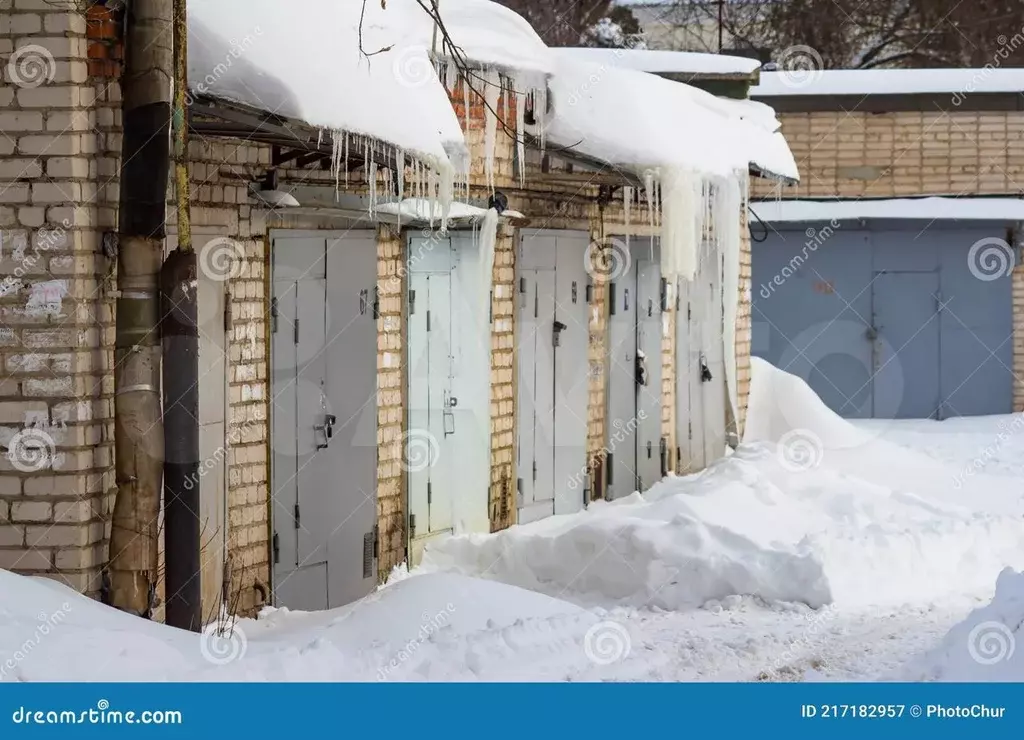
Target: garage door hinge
x=412 y=525
x=610 y=462
x=664 y=295
x=430 y=493
x=273 y=315
x=612 y=297
x=277 y=548
x=296 y=330
x=534 y=471
x=227 y=311
x=298 y=516
x=412 y=302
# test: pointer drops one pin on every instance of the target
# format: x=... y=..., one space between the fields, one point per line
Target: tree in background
x=849 y=34
x=579 y=22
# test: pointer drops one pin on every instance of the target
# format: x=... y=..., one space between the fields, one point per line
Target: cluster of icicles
x=432 y=179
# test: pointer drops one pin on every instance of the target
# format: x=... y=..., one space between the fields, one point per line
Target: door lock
x=556 y=335
x=328 y=429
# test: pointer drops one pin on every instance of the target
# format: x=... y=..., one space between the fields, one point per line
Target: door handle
x=448 y=419
x=557 y=328
x=329 y=425
x=328 y=429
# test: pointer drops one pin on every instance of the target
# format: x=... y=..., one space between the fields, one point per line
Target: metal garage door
x=889 y=319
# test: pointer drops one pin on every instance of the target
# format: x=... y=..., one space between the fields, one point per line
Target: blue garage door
x=889 y=319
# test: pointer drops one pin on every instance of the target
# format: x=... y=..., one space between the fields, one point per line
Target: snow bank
x=811 y=509
x=784 y=410
x=965 y=209
x=440 y=627
x=666 y=62
x=987 y=646
x=890 y=82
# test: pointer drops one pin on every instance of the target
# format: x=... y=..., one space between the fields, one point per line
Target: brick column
x=56 y=386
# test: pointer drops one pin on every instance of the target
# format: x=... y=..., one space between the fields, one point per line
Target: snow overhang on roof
x=889 y=82
x=931 y=208
x=487 y=34
x=301 y=60
x=638 y=121
x=657 y=61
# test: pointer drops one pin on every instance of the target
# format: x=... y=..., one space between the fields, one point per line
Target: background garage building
x=890 y=276
x=889 y=318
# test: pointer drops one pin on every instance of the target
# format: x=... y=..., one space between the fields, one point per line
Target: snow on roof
x=489 y=34
x=305 y=64
x=666 y=62
x=634 y=119
x=967 y=209
x=889 y=82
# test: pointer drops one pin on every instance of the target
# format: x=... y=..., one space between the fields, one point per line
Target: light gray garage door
x=888 y=319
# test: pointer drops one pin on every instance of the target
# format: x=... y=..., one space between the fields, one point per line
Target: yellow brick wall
x=391 y=394
x=502 y=497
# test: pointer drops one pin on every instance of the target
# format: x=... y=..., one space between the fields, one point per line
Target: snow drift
x=817 y=513
x=441 y=627
x=987 y=646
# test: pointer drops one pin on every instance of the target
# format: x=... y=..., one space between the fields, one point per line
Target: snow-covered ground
x=820 y=550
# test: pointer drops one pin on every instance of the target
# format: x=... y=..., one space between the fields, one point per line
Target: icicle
x=400 y=174
x=540 y=112
x=681 y=223
x=728 y=223
x=521 y=131
x=346 y=160
x=320 y=138
x=492 y=94
x=488 y=238
x=465 y=105
x=451 y=76
x=627 y=202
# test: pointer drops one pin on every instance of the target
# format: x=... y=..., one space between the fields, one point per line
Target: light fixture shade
x=276 y=198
